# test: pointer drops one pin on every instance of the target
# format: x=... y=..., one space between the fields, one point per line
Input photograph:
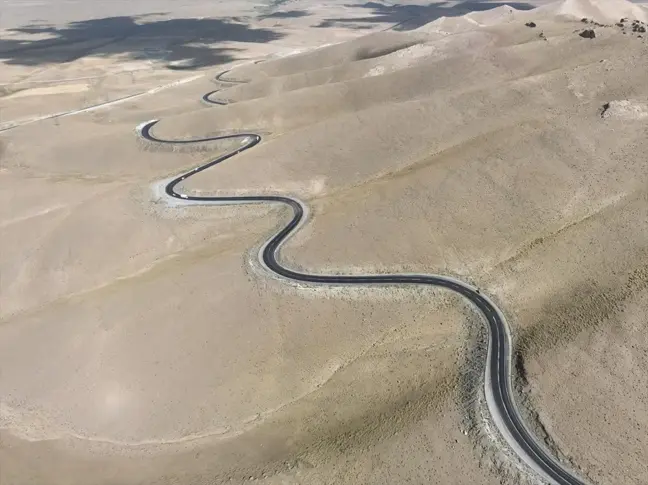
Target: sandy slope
x=141 y=343
x=602 y=11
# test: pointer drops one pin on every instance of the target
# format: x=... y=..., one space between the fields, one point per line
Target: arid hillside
x=142 y=342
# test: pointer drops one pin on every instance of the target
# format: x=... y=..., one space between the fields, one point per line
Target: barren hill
x=142 y=343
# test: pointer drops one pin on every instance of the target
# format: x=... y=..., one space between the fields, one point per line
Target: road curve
x=497 y=381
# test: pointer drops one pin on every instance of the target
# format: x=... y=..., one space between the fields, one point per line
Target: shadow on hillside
x=185 y=43
x=290 y=14
x=409 y=17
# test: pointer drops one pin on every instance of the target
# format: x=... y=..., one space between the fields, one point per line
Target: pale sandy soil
x=142 y=343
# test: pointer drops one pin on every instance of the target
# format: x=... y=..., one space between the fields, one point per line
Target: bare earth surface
x=142 y=343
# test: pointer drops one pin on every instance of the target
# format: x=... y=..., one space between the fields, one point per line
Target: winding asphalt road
x=497 y=382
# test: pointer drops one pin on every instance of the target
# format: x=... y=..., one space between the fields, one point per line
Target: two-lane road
x=497 y=370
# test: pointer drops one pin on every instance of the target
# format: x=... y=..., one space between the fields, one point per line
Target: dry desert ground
x=141 y=342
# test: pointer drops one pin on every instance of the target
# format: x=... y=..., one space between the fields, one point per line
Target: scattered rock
x=584 y=20
x=604 y=110
x=530 y=24
x=623 y=20
x=542 y=36
x=587 y=34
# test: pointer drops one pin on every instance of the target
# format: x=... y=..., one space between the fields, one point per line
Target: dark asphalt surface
x=498 y=366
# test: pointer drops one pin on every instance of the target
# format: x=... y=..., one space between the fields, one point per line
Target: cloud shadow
x=409 y=17
x=183 y=43
x=290 y=14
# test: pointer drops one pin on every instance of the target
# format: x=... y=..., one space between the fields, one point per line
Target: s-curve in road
x=497 y=368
